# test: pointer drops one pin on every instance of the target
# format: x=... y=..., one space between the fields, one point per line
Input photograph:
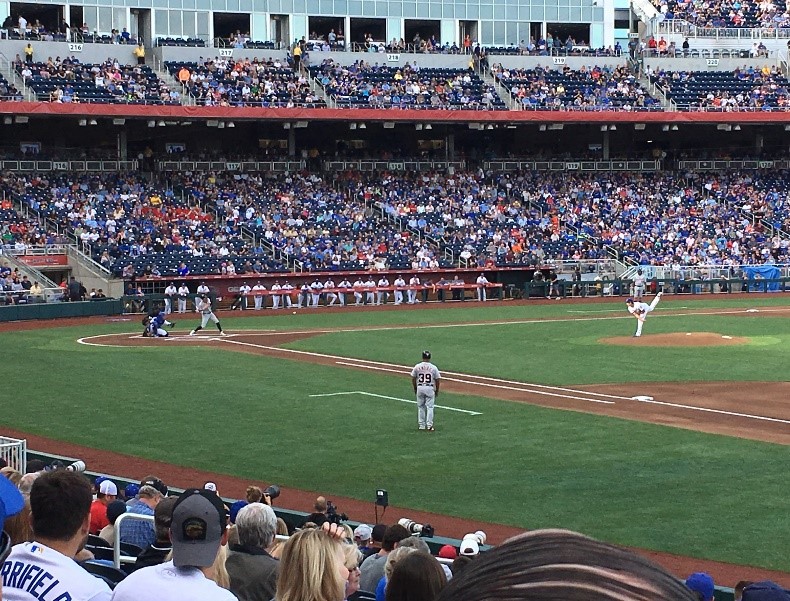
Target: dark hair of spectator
x=60 y=501
x=416 y=577
x=394 y=534
x=459 y=563
x=545 y=565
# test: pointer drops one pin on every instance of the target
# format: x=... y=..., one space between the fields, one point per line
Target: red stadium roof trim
x=379 y=115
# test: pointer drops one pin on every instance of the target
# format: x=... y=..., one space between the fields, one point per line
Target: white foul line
x=392 y=398
x=721 y=411
x=460 y=381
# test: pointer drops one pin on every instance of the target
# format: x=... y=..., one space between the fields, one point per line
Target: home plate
x=727 y=337
x=641 y=398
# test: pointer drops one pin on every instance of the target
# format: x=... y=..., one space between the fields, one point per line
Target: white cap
x=107 y=487
x=469 y=547
x=210 y=486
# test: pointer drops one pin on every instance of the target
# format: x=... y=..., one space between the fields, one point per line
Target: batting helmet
x=629 y=301
x=426 y=355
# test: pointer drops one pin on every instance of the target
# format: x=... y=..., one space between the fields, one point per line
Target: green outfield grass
x=638 y=484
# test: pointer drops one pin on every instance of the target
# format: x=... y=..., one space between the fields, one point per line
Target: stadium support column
x=759 y=142
x=122 y=143
x=605 y=146
x=451 y=146
x=292 y=142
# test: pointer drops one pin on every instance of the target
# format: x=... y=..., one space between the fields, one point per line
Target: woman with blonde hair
x=313 y=567
x=352 y=555
x=276 y=548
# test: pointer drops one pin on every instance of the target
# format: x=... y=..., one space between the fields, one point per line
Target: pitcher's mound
x=677 y=339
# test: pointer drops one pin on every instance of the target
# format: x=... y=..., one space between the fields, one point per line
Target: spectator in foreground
x=253 y=572
x=198 y=530
x=372 y=569
x=139 y=532
x=765 y=591
x=392 y=559
x=416 y=577
x=114 y=510
x=60 y=503
x=559 y=564
x=157 y=552
x=313 y=566
x=702 y=584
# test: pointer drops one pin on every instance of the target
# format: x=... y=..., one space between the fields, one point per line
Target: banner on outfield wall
x=44 y=260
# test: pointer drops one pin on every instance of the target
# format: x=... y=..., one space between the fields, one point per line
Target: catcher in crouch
x=155 y=325
x=206 y=315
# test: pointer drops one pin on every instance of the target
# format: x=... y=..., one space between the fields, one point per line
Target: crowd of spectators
x=588 y=88
x=8 y=90
x=245 y=82
x=727 y=13
x=204 y=223
x=365 y=85
x=202 y=545
x=747 y=88
x=67 y=80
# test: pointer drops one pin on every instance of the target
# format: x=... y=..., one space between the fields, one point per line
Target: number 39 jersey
x=426 y=373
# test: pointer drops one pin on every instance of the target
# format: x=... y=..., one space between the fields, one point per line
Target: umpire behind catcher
x=425 y=380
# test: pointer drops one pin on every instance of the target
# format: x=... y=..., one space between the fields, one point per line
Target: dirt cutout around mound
x=677 y=339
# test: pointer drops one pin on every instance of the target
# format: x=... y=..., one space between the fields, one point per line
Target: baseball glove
x=145 y=320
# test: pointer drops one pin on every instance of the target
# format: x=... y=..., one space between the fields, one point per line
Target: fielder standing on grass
x=640 y=311
x=206 y=315
x=425 y=380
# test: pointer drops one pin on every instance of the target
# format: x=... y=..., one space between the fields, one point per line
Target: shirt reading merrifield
x=35 y=571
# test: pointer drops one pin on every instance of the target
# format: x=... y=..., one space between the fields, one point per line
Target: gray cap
x=199 y=521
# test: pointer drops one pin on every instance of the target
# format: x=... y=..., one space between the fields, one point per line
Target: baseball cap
x=628 y=301
x=210 y=486
x=765 y=591
x=156 y=483
x=363 y=532
x=426 y=354
x=115 y=509
x=469 y=547
x=448 y=552
x=11 y=500
x=107 y=487
x=199 y=521
x=99 y=480
x=131 y=490
x=701 y=583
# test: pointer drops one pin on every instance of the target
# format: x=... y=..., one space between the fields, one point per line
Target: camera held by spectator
x=423 y=530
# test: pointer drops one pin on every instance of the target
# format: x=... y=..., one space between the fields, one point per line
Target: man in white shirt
x=183 y=293
x=329 y=290
x=414 y=283
x=358 y=287
x=399 y=284
x=481 y=287
x=286 y=295
x=257 y=291
x=170 y=293
x=304 y=296
x=343 y=287
x=370 y=285
x=198 y=530
x=60 y=503
x=316 y=288
x=275 y=294
x=241 y=301
x=382 y=296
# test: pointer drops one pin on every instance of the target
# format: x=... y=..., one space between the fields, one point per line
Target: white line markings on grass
x=521 y=386
x=393 y=398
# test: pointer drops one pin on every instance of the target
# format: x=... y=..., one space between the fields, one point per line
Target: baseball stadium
x=508 y=281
